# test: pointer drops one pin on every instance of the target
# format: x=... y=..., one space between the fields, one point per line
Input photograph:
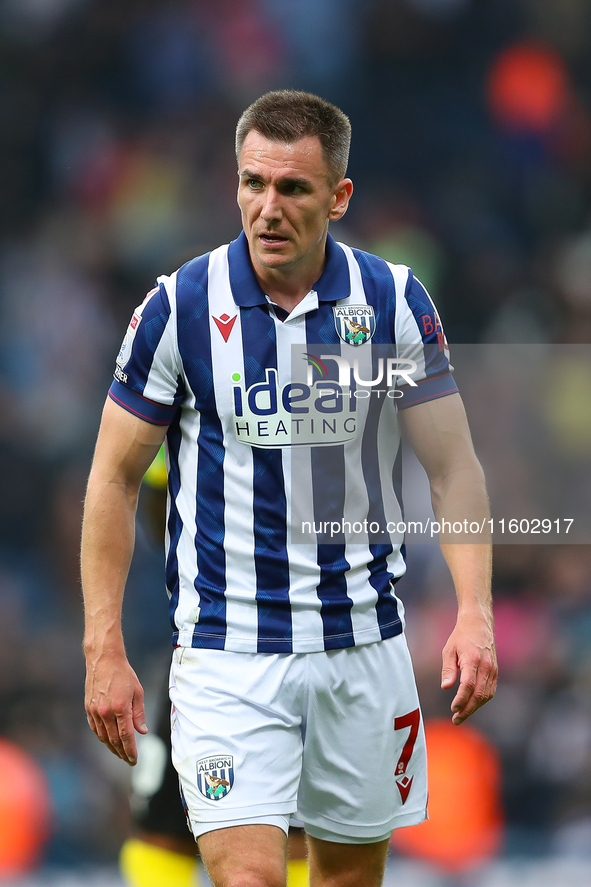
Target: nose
x=271 y=210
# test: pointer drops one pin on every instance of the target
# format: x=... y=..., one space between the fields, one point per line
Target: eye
x=254 y=184
x=294 y=189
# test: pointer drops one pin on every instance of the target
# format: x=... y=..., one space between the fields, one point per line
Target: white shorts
x=334 y=738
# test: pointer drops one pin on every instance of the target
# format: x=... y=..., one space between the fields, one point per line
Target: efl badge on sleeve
x=355 y=324
x=215 y=776
x=127 y=344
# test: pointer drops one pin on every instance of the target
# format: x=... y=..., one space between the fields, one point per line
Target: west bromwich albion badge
x=215 y=776
x=355 y=324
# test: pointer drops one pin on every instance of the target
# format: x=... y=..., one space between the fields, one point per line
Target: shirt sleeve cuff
x=427 y=389
x=140 y=406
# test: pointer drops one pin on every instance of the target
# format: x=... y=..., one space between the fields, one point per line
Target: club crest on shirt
x=355 y=324
x=215 y=776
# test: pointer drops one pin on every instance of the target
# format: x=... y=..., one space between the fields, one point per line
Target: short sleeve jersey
x=283 y=447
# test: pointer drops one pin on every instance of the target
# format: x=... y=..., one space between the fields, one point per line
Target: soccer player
x=291 y=685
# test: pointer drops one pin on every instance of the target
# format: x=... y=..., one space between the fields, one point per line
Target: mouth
x=272 y=240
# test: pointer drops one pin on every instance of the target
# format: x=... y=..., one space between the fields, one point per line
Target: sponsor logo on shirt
x=318 y=412
x=430 y=328
x=267 y=415
x=225 y=324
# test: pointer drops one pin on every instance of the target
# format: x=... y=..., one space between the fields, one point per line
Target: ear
x=340 y=199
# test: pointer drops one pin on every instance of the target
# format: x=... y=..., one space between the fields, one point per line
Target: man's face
x=286 y=202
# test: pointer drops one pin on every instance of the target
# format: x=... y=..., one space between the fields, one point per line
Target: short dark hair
x=287 y=115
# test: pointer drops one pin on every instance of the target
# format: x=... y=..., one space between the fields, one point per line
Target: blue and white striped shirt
x=263 y=439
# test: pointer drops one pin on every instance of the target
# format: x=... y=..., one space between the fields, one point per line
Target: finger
x=465 y=692
x=139 y=715
x=96 y=725
x=113 y=749
x=126 y=737
x=465 y=701
x=449 y=671
x=476 y=693
x=92 y=723
x=488 y=673
x=491 y=686
x=101 y=732
x=460 y=714
x=111 y=735
x=113 y=743
x=465 y=711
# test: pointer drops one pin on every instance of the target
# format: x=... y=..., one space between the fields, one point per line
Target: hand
x=470 y=654
x=114 y=705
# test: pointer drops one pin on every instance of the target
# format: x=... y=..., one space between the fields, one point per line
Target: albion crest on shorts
x=215 y=776
x=355 y=324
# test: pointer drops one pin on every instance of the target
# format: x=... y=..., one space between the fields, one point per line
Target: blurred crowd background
x=471 y=158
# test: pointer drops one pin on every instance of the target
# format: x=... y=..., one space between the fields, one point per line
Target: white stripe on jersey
x=388 y=446
x=304 y=572
x=188 y=599
x=159 y=386
x=187 y=611
x=227 y=357
x=357 y=552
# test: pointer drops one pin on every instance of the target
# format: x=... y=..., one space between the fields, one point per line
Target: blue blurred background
x=471 y=158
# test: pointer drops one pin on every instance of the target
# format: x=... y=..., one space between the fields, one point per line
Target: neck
x=285 y=292
x=289 y=285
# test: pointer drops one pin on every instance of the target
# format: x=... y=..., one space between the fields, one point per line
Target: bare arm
x=439 y=434
x=125 y=448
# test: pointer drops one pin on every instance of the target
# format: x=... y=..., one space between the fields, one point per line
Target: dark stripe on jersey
x=150 y=329
x=335 y=282
x=127 y=389
x=193 y=327
x=328 y=490
x=174 y=523
x=269 y=500
x=381 y=580
x=380 y=546
x=430 y=330
x=397 y=484
x=246 y=290
x=380 y=292
x=328 y=486
x=397 y=480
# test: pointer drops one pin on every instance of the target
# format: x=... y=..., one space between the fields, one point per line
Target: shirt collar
x=334 y=282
